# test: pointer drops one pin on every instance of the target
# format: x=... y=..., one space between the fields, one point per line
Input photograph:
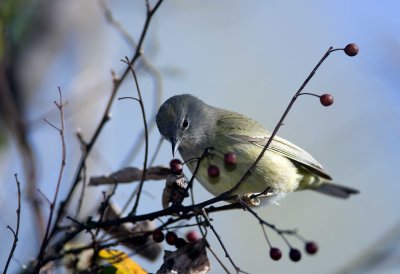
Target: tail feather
x=335 y=190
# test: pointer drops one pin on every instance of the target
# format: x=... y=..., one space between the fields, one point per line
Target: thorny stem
x=278 y=125
x=15 y=233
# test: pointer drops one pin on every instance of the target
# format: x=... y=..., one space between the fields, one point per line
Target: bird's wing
x=287 y=149
x=243 y=129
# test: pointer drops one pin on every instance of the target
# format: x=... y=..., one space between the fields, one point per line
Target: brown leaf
x=190 y=259
x=134 y=237
x=131 y=174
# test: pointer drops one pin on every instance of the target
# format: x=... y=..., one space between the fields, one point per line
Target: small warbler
x=192 y=126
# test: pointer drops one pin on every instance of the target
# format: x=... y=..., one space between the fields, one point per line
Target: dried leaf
x=135 y=237
x=175 y=190
x=191 y=259
x=131 y=174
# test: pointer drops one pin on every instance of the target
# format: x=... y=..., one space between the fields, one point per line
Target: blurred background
x=247 y=56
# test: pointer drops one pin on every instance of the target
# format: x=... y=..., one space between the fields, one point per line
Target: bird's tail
x=336 y=190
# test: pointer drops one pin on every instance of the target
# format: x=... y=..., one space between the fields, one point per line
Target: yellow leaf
x=121 y=262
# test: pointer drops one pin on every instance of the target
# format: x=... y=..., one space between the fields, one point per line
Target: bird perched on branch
x=234 y=142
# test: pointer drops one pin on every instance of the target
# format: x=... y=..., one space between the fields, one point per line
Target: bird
x=194 y=127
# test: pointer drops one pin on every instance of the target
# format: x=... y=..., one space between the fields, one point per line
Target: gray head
x=184 y=119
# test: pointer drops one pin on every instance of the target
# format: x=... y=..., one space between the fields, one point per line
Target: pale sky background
x=247 y=56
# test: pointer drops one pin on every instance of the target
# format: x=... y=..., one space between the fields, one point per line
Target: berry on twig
x=326 y=100
x=158 y=236
x=275 y=253
x=311 y=248
x=351 y=49
x=295 y=254
x=192 y=236
x=171 y=238
x=176 y=166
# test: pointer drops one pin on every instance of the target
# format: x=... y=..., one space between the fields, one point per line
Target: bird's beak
x=175 y=144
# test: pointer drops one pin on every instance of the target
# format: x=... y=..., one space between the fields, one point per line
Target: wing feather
x=244 y=129
x=281 y=146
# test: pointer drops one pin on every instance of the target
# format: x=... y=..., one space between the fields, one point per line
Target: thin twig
x=15 y=233
x=60 y=174
x=278 y=125
x=152 y=160
x=218 y=259
x=146 y=136
x=117 y=25
x=83 y=147
x=44 y=196
x=281 y=232
x=237 y=269
x=104 y=205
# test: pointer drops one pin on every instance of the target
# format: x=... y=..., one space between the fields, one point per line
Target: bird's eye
x=185 y=124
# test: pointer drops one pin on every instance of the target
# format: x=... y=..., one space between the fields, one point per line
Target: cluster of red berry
x=230 y=161
x=294 y=254
x=172 y=238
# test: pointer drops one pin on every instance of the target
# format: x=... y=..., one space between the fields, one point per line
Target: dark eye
x=185 y=124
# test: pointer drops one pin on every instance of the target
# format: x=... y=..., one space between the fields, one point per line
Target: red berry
x=326 y=100
x=180 y=242
x=351 y=49
x=158 y=236
x=176 y=166
x=295 y=254
x=311 y=248
x=275 y=253
x=230 y=159
x=171 y=238
x=213 y=171
x=192 y=236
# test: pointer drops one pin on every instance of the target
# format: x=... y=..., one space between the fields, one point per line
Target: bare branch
x=15 y=233
x=146 y=136
x=60 y=174
x=83 y=147
x=44 y=196
x=237 y=269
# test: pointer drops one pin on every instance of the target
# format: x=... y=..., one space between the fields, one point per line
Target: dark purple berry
x=158 y=236
x=230 y=159
x=176 y=166
x=275 y=253
x=171 y=238
x=351 y=49
x=213 y=171
x=192 y=236
x=311 y=248
x=180 y=242
x=326 y=100
x=295 y=254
